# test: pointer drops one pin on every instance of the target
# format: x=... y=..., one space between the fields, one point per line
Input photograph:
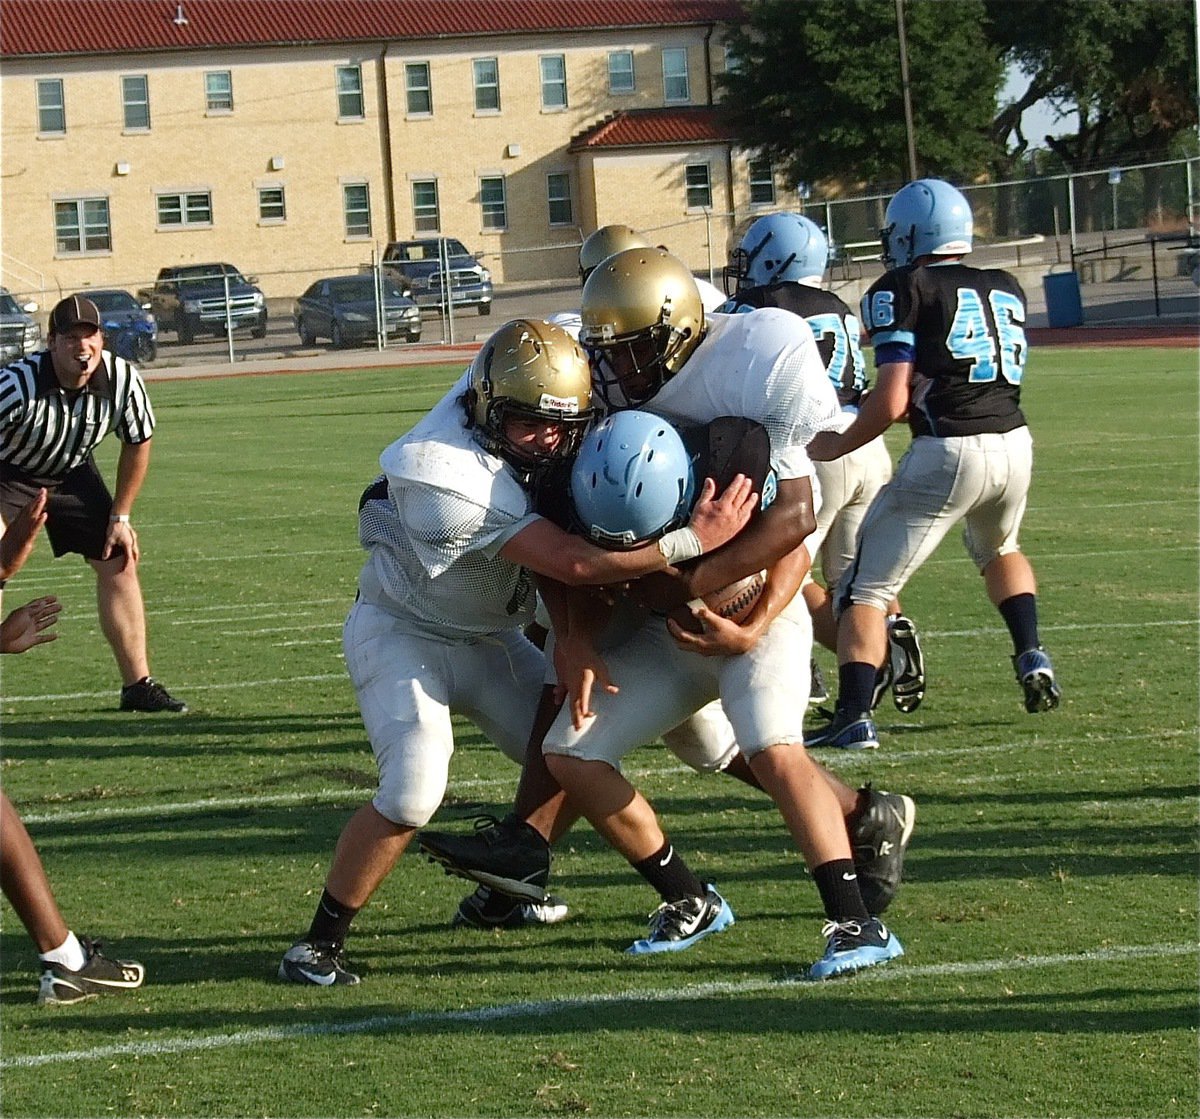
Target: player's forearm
x=781 y=528
x=881 y=408
x=132 y=467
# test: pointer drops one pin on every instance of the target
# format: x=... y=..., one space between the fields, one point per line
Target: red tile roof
x=73 y=27
x=640 y=128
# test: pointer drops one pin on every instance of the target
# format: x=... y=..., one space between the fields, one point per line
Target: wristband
x=119 y=519
x=680 y=545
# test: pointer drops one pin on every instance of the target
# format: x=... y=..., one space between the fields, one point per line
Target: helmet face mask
x=632 y=481
x=532 y=372
x=778 y=248
x=641 y=319
x=928 y=217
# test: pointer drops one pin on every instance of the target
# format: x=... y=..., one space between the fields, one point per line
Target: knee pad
x=408 y=807
x=704 y=741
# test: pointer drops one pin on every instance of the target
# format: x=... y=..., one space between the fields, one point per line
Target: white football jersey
x=711 y=296
x=570 y=321
x=434 y=537
x=764 y=366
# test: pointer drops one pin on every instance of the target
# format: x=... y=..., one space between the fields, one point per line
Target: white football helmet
x=926 y=217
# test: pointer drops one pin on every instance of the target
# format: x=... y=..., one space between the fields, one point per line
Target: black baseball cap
x=74 y=311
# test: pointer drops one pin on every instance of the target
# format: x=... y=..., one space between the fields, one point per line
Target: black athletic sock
x=856 y=687
x=837 y=883
x=670 y=875
x=331 y=922
x=1019 y=612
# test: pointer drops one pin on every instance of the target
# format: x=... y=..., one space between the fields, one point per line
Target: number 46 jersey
x=963 y=329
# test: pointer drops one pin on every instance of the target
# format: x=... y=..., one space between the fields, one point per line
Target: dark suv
x=20 y=332
x=190 y=299
x=419 y=262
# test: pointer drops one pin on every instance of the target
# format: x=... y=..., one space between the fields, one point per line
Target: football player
x=605 y=242
x=452 y=540
x=653 y=348
x=950 y=353
x=780 y=262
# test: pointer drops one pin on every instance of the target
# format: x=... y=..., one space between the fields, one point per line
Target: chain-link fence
x=1131 y=233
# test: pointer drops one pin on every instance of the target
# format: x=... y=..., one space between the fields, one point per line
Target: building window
x=699 y=188
x=350 y=93
x=81 y=226
x=185 y=209
x=218 y=91
x=426 y=218
x=51 y=109
x=492 y=203
x=135 y=97
x=417 y=89
x=733 y=64
x=271 y=206
x=554 y=81
x=675 y=74
x=487 y=85
x=762 y=182
x=356 y=205
x=558 y=197
x=620 y=72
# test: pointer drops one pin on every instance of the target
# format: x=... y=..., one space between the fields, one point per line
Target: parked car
x=344 y=310
x=420 y=262
x=190 y=299
x=20 y=332
x=129 y=328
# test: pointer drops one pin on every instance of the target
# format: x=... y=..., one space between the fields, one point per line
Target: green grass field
x=1050 y=907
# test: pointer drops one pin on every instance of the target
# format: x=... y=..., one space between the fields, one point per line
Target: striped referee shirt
x=46 y=431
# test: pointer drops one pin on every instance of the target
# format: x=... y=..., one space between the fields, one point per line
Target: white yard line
x=391 y=1023
x=483 y=784
x=1190 y=623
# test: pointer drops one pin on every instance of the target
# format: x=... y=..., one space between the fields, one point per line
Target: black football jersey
x=834 y=325
x=967 y=327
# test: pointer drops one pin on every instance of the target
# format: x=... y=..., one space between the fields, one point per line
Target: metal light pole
x=907 y=93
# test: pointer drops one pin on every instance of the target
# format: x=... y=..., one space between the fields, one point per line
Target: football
x=734 y=602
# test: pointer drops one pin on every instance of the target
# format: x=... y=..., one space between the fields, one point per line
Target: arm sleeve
x=135 y=424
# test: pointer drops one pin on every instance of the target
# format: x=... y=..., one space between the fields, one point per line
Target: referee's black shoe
x=147 y=694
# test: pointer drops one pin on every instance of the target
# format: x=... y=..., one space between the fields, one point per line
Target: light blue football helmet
x=775 y=248
x=926 y=216
x=632 y=480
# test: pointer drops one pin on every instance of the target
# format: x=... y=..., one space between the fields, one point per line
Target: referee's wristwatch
x=119 y=518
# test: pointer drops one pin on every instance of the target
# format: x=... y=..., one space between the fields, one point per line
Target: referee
x=55 y=407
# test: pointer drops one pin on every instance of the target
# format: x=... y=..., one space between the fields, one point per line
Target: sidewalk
x=331 y=361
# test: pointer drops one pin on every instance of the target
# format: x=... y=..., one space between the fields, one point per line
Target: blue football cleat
x=845 y=732
x=1035 y=674
x=676 y=925
x=855 y=944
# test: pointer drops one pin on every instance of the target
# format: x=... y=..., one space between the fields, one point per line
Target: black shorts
x=77 y=508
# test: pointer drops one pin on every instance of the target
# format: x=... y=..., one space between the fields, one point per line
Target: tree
x=817 y=88
x=1128 y=66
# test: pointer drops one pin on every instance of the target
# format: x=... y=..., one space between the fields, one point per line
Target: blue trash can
x=1064 y=305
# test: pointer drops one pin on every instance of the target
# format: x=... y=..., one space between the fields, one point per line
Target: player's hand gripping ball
x=733 y=602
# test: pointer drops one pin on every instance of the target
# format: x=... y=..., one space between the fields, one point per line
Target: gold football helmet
x=641 y=320
x=608 y=239
x=531 y=370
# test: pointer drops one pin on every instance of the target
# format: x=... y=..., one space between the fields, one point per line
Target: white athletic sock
x=69 y=954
